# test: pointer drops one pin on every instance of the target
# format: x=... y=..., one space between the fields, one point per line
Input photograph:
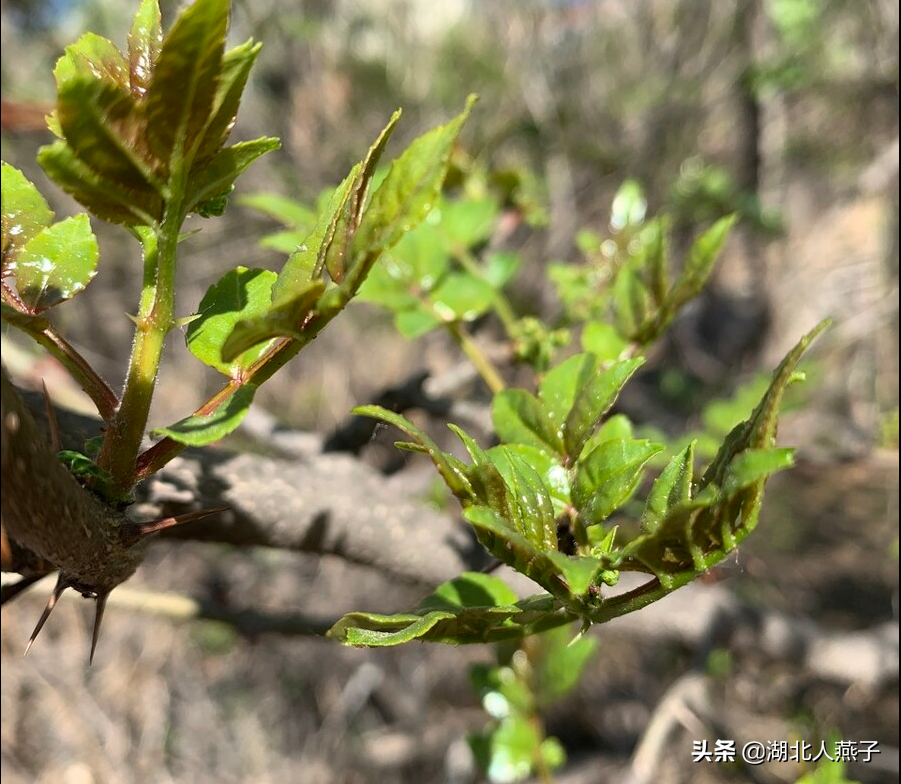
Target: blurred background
x=784 y=111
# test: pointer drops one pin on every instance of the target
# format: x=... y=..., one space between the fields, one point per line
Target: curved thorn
x=98 y=618
x=61 y=585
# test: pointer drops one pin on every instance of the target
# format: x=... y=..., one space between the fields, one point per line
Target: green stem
x=479 y=359
x=154 y=320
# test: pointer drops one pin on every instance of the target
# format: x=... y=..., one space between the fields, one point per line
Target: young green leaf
x=240 y=294
x=554 y=476
x=470 y=589
x=594 y=399
x=204 y=429
x=656 y=259
x=57 y=263
x=285 y=317
x=306 y=263
x=99 y=121
x=631 y=303
x=671 y=488
x=217 y=175
x=339 y=255
x=700 y=262
x=454 y=475
x=144 y=42
x=180 y=97
x=561 y=385
x=409 y=191
x=25 y=213
x=236 y=66
x=521 y=418
x=606 y=477
x=530 y=502
x=754 y=465
x=105 y=198
x=92 y=58
x=471 y=608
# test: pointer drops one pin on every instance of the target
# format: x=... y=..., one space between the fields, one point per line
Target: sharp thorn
x=138 y=531
x=52 y=423
x=61 y=585
x=98 y=619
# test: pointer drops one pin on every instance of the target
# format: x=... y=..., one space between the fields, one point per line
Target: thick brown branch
x=49 y=514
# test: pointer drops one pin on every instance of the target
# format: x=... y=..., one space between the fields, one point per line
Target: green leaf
x=461 y=297
x=530 y=502
x=217 y=176
x=340 y=256
x=656 y=258
x=521 y=418
x=57 y=263
x=631 y=302
x=603 y=341
x=754 y=465
x=500 y=268
x=608 y=476
x=179 y=100
x=240 y=294
x=306 y=263
x=409 y=191
x=700 y=262
x=594 y=399
x=144 y=42
x=670 y=489
x=108 y=200
x=201 y=430
x=100 y=123
x=470 y=589
x=472 y=608
x=451 y=470
x=285 y=317
x=236 y=66
x=25 y=213
x=560 y=386
x=617 y=426
x=551 y=471
x=759 y=430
